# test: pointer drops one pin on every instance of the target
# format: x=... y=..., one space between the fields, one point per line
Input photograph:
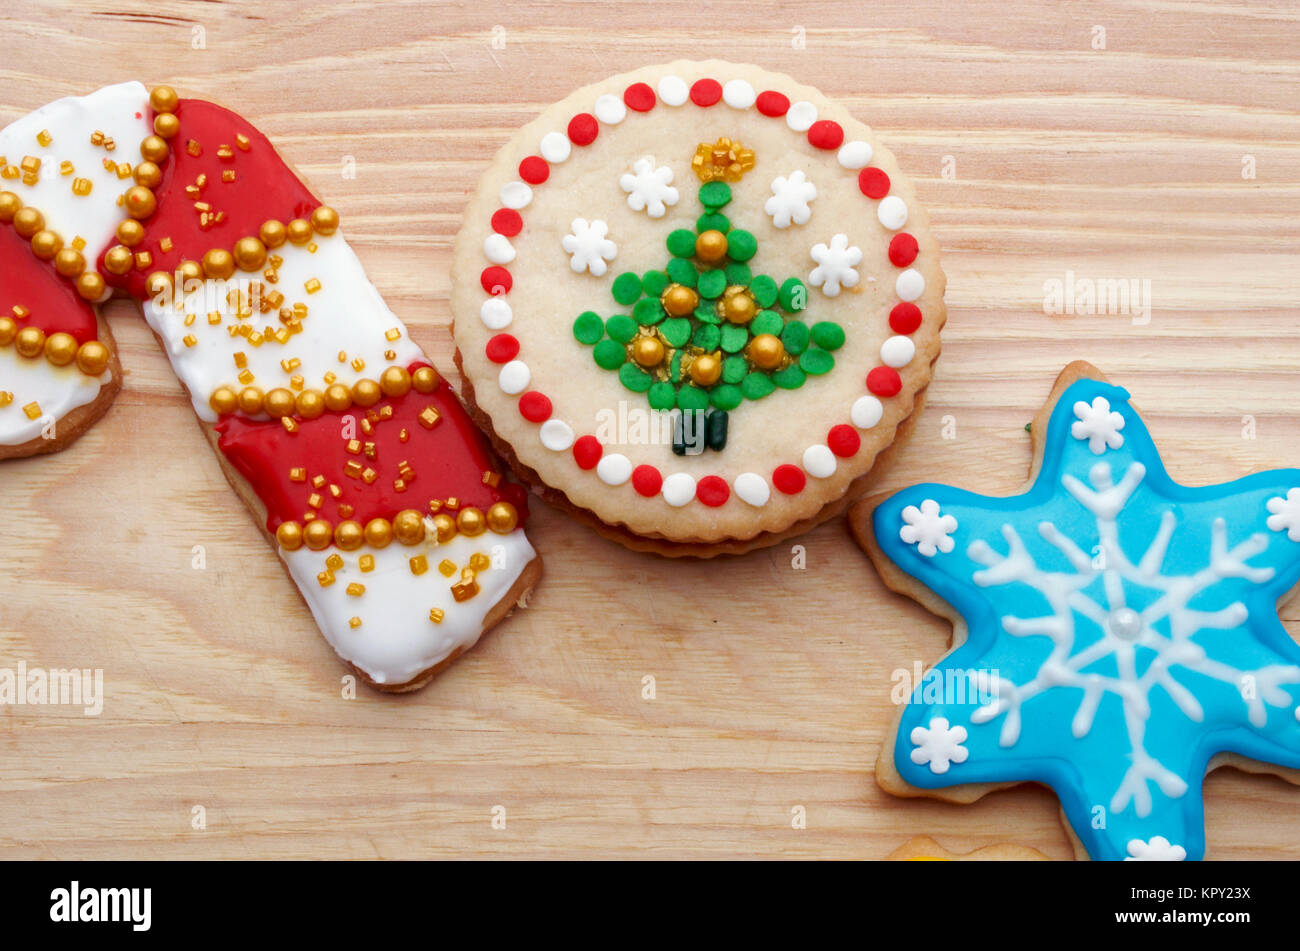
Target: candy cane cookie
x=382 y=499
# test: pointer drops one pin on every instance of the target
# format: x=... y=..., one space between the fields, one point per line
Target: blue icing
x=1131 y=622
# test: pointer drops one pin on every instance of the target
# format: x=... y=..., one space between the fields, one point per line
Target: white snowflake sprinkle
x=835 y=265
x=789 y=202
x=1286 y=515
x=940 y=745
x=1098 y=424
x=589 y=246
x=649 y=189
x=1158 y=849
x=925 y=528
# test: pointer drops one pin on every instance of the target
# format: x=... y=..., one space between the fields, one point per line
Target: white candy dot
x=556 y=435
x=738 y=94
x=555 y=147
x=498 y=249
x=892 y=212
x=614 y=469
x=855 y=154
x=678 y=489
x=496 y=313
x=516 y=195
x=801 y=116
x=866 y=412
x=610 y=109
x=819 y=461
x=897 y=351
x=910 y=285
x=514 y=377
x=673 y=90
x=753 y=488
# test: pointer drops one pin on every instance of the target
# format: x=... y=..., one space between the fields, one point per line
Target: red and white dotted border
x=679 y=488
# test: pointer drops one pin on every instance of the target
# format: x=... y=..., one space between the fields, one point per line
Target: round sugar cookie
x=695 y=304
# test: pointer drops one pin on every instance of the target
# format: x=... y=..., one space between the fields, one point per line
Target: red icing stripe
x=902 y=249
x=873 y=182
x=789 y=479
x=826 y=134
x=904 y=318
x=507 y=221
x=639 y=97
x=884 y=381
x=772 y=103
x=587 y=452
x=535 y=407
x=496 y=280
x=647 y=480
x=502 y=348
x=706 y=92
x=712 y=491
x=583 y=128
x=33 y=286
x=843 y=440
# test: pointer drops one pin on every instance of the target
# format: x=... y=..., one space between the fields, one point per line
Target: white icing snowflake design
x=1286 y=516
x=1158 y=849
x=589 y=246
x=835 y=265
x=925 y=528
x=649 y=189
x=939 y=745
x=789 y=202
x=1098 y=424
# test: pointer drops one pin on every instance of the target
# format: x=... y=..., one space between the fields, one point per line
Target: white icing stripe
x=56 y=390
x=346 y=315
x=121 y=113
x=397 y=639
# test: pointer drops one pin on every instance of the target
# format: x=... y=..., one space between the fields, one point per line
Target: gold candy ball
x=164 y=99
x=250 y=254
x=679 y=300
x=140 y=202
x=60 y=349
x=425 y=380
x=706 y=369
x=502 y=518
x=366 y=393
x=92 y=358
x=30 y=341
x=154 y=149
x=298 y=231
x=90 y=285
x=69 y=262
x=408 y=527
x=46 y=244
x=766 y=351
x=250 y=401
x=395 y=381
x=10 y=205
x=471 y=521
x=289 y=535
x=219 y=263
x=118 y=260
x=8 y=330
x=711 y=246
x=648 y=351
x=379 y=532
x=739 y=307
x=28 y=221
x=166 y=125
x=147 y=174
x=325 y=220
x=349 y=535
x=310 y=404
x=190 y=271
x=159 y=283
x=318 y=534
x=337 y=397
x=272 y=233
x=278 y=402
x=445 y=526
x=223 y=400
x=130 y=232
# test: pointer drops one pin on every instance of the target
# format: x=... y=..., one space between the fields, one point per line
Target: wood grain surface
x=1171 y=156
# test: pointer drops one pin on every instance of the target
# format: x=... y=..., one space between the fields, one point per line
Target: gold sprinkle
x=436 y=615
x=334 y=562
x=358 y=364
x=228 y=175
x=44 y=138
x=81 y=187
x=241 y=359
x=367 y=563
x=479 y=561
x=369 y=476
x=193 y=147
x=32 y=410
x=354 y=622
x=356 y=589
x=490 y=478
x=429 y=417
x=314 y=500
x=353 y=469
x=318 y=481
x=297 y=474
x=312 y=286
x=66 y=168
x=354 y=447
x=191 y=341
x=392 y=334
x=288 y=423
x=325 y=579
x=399 y=485
x=6 y=397
x=214 y=318
x=245 y=377
x=419 y=565
x=403 y=435
x=241 y=140
x=21 y=312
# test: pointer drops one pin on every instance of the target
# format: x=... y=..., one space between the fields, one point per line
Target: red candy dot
x=712 y=491
x=884 y=381
x=502 y=348
x=640 y=97
x=507 y=221
x=902 y=250
x=772 y=103
x=825 y=134
x=789 y=479
x=583 y=128
x=496 y=280
x=873 y=182
x=706 y=92
x=647 y=480
x=587 y=452
x=904 y=318
x=534 y=170
x=535 y=407
x=843 y=440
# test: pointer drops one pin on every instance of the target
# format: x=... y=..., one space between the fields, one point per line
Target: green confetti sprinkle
x=741 y=245
x=713 y=195
x=707 y=313
x=756 y=386
x=739 y=274
x=734 y=338
x=816 y=362
x=621 y=327
x=791 y=378
x=793 y=295
x=634 y=378
x=681 y=243
x=653 y=283
x=681 y=271
x=626 y=288
x=766 y=322
x=588 y=328
x=734 y=369
x=712 y=284
x=648 y=311
x=707 y=337
x=828 y=335
x=795 y=338
x=692 y=397
x=609 y=354
x=662 y=396
x=724 y=396
x=712 y=221
x=676 y=330
x=764 y=290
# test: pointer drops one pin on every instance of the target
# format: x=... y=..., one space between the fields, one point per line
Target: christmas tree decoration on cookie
x=1122 y=628
x=706 y=333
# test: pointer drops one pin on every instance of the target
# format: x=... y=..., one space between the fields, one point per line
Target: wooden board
x=771 y=682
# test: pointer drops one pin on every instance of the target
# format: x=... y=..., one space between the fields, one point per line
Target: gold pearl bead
x=250 y=254
x=366 y=393
x=92 y=358
x=318 y=534
x=337 y=397
x=147 y=174
x=118 y=260
x=166 y=125
x=711 y=246
x=425 y=380
x=648 y=351
x=223 y=400
x=349 y=535
x=289 y=535
x=130 y=232
x=158 y=283
x=140 y=202
x=502 y=518
x=278 y=402
x=90 y=285
x=164 y=99
x=219 y=263
x=325 y=220
x=679 y=300
x=766 y=351
x=30 y=341
x=46 y=244
x=190 y=271
x=395 y=381
x=250 y=400
x=10 y=205
x=8 y=330
x=154 y=149
x=706 y=369
x=272 y=233
x=408 y=527
x=739 y=307
x=298 y=231
x=69 y=262
x=379 y=533
x=60 y=349
x=310 y=404
x=445 y=526
x=471 y=521
x=28 y=221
